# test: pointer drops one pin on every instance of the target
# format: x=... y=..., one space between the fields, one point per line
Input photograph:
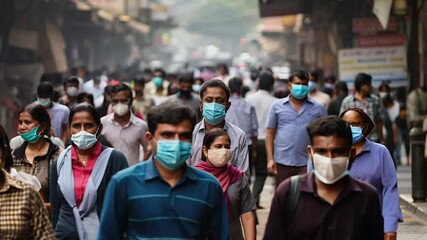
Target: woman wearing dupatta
x=240 y=202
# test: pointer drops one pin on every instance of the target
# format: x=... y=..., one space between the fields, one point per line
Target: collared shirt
x=375 y=166
x=22 y=215
x=238 y=145
x=40 y=166
x=262 y=101
x=141 y=204
x=242 y=114
x=370 y=106
x=291 y=137
x=81 y=173
x=128 y=138
x=193 y=102
x=321 y=97
x=58 y=117
x=355 y=214
x=143 y=106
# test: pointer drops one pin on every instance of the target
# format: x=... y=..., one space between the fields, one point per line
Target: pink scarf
x=226 y=175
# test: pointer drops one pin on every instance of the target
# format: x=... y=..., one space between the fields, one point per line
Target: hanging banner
x=383 y=63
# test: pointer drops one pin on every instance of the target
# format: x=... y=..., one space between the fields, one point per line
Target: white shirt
x=95 y=90
x=262 y=101
x=320 y=97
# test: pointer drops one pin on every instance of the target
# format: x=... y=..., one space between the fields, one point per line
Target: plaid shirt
x=22 y=213
x=370 y=106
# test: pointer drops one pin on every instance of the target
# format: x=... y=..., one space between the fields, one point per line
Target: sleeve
x=247 y=202
x=113 y=219
x=39 y=221
x=272 y=117
x=65 y=116
x=242 y=158
x=254 y=121
x=376 y=218
x=323 y=111
x=219 y=224
x=343 y=105
x=53 y=193
x=143 y=139
x=276 y=222
x=390 y=194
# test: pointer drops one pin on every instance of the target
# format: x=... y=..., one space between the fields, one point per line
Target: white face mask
x=219 y=157
x=329 y=170
x=383 y=94
x=72 y=91
x=121 y=109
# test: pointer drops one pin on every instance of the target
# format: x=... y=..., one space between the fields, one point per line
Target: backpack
x=292 y=201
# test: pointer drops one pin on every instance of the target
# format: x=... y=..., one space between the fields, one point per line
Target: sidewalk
x=414 y=226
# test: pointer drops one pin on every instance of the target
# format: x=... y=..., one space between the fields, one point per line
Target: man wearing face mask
x=342 y=207
x=142 y=102
x=158 y=86
x=214 y=103
x=314 y=93
x=71 y=89
x=185 y=95
x=122 y=128
x=58 y=113
x=364 y=99
x=286 y=137
x=163 y=198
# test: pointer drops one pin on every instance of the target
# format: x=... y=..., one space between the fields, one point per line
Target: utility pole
x=413 y=49
x=6 y=20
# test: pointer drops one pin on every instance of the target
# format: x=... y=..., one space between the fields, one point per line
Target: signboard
x=381 y=40
x=383 y=63
x=271 y=8
x=360 y=25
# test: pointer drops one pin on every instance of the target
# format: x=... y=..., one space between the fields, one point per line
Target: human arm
x=242 y=158
x=53 y=194
x=390 y=236
x=269 y=147
x=247 y=208
x=249 y=226
x=254 y=133
x=113 y=218
x=40 y=225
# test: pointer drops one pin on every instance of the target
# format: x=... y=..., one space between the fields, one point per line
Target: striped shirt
x=139 y=203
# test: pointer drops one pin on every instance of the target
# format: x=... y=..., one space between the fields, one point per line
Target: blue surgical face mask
x=31 y=136
x=213 y=113
x=45 y=102
x=299 y=91
x=357 y=134
x=84 y=140
x=196 y=88
x=172 y=154
x=312 y=85
x=158 y=81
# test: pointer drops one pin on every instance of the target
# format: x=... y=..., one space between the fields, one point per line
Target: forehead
x=221 y=139
x=71 y=84
x=25 y=115
x=182 y=127
x=352 y=116
x=214 y=92
x=298 y=80
x=121 y=94
x=329 y=142
x=83 y=116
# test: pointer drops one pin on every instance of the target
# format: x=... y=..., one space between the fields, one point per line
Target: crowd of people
x=173 y=157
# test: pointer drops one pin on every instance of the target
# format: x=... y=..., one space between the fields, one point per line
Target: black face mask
x=184 y=93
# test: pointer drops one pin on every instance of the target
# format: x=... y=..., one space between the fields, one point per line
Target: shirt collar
x=132 y=118
x=202 y=125
x=151 y=171
x=9 y=182
x=287 y=99
x=310 y=186
x=367 y=147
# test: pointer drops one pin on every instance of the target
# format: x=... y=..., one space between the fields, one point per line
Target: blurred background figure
x=142 y=102
x=314 y=92
x=223 y=73
x=340 y=92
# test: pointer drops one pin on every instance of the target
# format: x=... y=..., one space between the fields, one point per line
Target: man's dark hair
x=316 y=74
x=215 y=83
x=361 y=79
x=210 y=137
x=235 y=84
x=160 y=70
x=266 y=81
x=330 y=126
x=121 y=87
x=186 y=77
x=72 y=80
x=139 y=79
x=169 y=113
x=82 y=97
x=45 y=89
x=341 y=88
x=301 y=74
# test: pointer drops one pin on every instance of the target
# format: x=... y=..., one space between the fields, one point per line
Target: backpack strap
x=292 y=202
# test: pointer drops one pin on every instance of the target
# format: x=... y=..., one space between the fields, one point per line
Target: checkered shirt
x=22 y=213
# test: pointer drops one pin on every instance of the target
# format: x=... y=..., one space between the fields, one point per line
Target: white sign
x=383 y=63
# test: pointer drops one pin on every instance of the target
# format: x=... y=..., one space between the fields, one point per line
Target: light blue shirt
x=291 y=137
x=242 y=114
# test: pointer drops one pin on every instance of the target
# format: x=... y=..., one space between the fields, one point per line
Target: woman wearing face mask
x=37 y=152
x=80 y=176
x=373 y=164
x=23 y=215
x=239 y=199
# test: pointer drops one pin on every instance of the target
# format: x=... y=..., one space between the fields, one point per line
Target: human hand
x=390 y=236
x=271 y=167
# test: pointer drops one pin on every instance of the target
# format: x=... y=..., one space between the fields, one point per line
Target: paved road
x=413 y=228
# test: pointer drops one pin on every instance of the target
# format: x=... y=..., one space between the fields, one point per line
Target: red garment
x=226 y=175
x=82 y=174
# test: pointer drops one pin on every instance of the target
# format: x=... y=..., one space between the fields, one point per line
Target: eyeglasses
x=124 y=101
